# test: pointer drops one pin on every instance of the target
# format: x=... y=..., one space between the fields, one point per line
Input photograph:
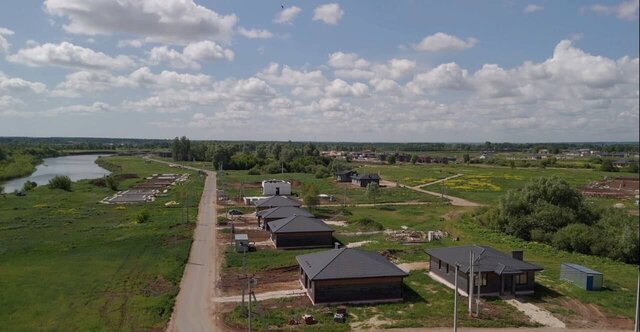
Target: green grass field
x=68 y=263
x=19 y=165
x=483 y=184
x=239 y=183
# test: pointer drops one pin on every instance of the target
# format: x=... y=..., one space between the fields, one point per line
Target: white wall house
x=276 y=187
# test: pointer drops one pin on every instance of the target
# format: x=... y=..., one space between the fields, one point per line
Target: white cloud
x=4 y=43
x=79 y=109
x=395 y=68
x=347 y=61
x=532 y=8
x=626 y=10
x=135 y=43
x=445 y=76
x=81 y=83
x=287 y=15
x=330 y=13
x=169 y=79
x=442 y=42
x=192 y=55
x=166 y=21
x=255 y=33
x=66 y=54
x=14 y=84
x=340 y=88
x=284 y=75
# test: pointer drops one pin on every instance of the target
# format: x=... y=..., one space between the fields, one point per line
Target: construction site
x=617 y=187
x=154 y=186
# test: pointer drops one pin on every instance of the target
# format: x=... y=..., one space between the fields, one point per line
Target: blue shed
x=581 y=276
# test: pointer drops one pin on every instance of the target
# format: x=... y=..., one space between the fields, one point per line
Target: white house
x=276 y=187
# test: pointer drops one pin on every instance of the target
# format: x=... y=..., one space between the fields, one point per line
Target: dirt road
x=455 y=201
x=194 y=310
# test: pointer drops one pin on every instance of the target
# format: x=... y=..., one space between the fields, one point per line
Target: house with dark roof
x=275 y=201
x=499 y=273
x=268 y=215
x=349 y=275
x=344 y=176
x=363 y=180
x=297 y=232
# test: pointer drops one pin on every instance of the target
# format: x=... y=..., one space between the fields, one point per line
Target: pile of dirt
x=587 y=315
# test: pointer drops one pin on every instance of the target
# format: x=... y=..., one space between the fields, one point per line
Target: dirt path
x=261 y=296
x=193 y=310
x=489 y=329
x=455 y=201
x=536 y=314
x=438 y=181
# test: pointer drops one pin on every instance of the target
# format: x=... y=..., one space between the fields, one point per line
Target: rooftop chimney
x=517 y=254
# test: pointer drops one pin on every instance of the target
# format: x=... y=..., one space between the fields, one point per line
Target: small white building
x=241 y=242
x=276 y=187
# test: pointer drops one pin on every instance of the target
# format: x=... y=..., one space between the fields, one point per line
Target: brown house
x=350 y=276
x=297 y=232
x=500 y=274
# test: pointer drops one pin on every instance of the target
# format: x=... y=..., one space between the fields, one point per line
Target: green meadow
x=69 y=263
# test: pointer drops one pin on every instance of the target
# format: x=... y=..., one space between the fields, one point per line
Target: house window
x=439 y=264
x=521 y=279
x=483 y=280
x=447 y=268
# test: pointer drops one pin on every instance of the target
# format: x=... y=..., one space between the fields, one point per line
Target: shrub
x=112 y=182
x=142 y=217
x=29 y=185
x=368 y=224
x=254 y=171
x=60 y=182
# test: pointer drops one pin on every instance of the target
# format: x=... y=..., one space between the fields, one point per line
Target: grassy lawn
x=239 y=183
x=68 y=263
x=483 y=184
x=20 y=165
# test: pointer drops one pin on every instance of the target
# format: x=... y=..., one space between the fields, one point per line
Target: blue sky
x=316 y=70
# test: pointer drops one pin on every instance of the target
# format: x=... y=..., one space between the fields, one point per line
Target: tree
x=3 y=154
x=414 y=159
x=112 y=182
x=633 y=167
x=373 y=190
x=60 y=182
x=1 y=190
x=29 y=185
x=607 y=166
x=391 y=159
x=466 y=158
x=310 y=195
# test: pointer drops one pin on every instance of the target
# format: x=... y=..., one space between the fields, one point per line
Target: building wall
x=307 y=240
x=494 y=281
x=357 y=290
x=270 y=188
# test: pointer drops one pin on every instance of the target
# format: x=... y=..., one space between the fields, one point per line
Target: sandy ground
x=262 y=296
x=193 y=310
x=536 y=314
x=358 y=244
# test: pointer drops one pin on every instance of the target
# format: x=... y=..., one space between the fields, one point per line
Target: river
x=76 y=167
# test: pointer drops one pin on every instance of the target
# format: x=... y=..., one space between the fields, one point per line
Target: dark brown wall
x=292 y=240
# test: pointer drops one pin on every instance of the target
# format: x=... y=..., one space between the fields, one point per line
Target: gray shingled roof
x=283 y=212
x=347 y=263
x=366 y=177
x=275 y=201
x=298 y=224
x=490 y=260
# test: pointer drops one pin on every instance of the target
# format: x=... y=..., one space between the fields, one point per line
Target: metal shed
x=241 y=242
x=581 y=276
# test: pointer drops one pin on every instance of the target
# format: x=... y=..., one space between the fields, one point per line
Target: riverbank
x=105 y=271
x=18 y=166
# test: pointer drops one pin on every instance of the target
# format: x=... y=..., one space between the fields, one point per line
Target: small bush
x=142 y=217
x=112 y=182
x=60 y=182
x=368 y=224
x=29 y=185
x=254 y=171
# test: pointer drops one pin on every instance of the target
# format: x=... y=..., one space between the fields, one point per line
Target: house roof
x=298 y=224
x=275 y=201
x=283 y=212
x=367 y=177
x=581 y=268
x=344 y=172
x=347 y=263
x=487 y=259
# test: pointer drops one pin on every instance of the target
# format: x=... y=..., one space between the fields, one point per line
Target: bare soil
x=231 y=282
x=586 y=315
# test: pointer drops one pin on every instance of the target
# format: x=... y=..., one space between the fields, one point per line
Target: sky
x=365 y=71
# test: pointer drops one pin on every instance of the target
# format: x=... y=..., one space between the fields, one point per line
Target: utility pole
x=249 y=315
x=471 y=278
x=455 y=300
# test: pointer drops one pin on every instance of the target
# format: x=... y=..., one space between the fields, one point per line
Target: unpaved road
x=194 y=310
x=455 y=201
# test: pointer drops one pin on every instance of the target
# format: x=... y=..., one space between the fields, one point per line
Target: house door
x=277 y=191
x=507 y=286
x=589 y=282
